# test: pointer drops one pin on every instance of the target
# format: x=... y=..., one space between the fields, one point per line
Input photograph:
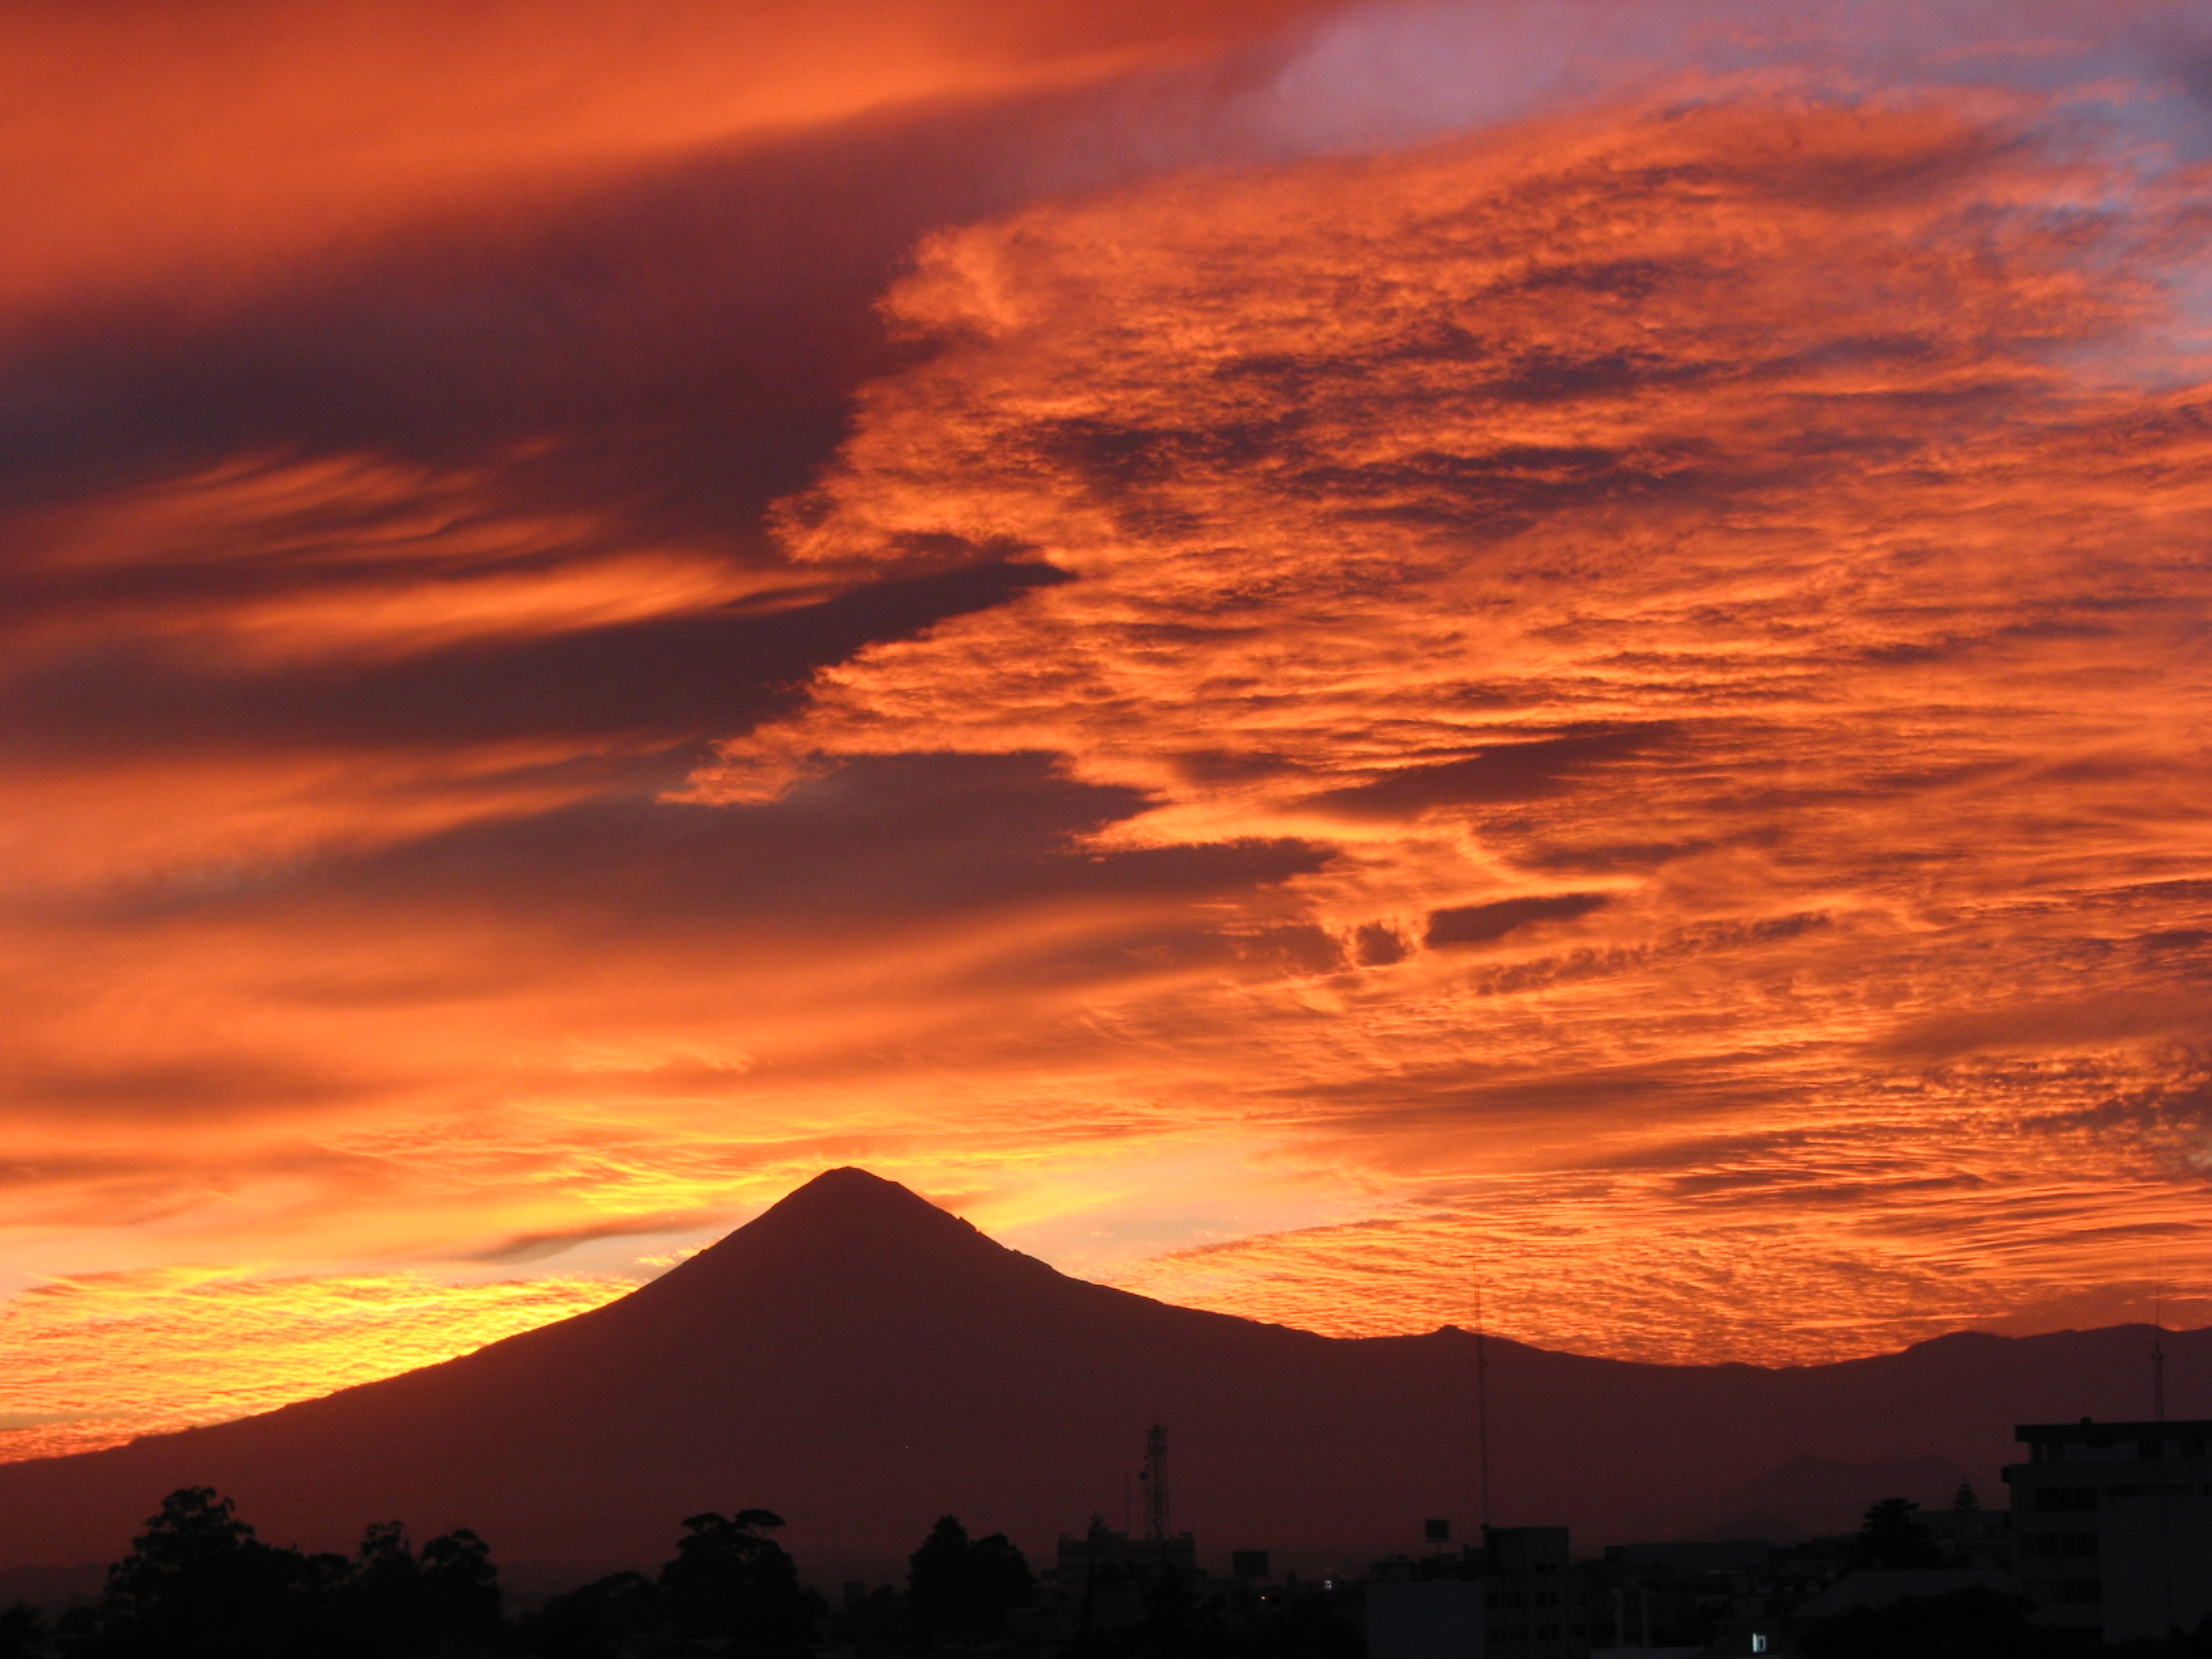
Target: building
x=1704 y=1597
x=2112 y=1525
x=1534 y=1606
x=1103 y=1580
x=1425 y=1618
x=1516 y=1597
x=1100 y=1552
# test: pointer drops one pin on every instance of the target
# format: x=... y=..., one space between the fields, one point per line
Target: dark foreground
x=198 y=1584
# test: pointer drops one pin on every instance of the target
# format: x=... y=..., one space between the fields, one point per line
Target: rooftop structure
x=1157 y=1523
x=1103 y=1553
x=2113 y=1524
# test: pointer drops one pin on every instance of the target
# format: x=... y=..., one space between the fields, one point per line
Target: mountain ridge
x=861 y=1361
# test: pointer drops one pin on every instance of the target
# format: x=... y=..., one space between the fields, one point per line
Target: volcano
x=863 y=1362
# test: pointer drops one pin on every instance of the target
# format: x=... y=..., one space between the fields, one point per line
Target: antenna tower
x=1155 y=1484
x=2158 y=1352
x=1482 y=1401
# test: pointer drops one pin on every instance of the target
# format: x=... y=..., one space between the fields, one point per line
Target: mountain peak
x=849 y=1199
x=851 y=1185
x=844 y=1227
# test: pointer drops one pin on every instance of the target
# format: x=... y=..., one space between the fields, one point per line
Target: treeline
x=731 y=1583
x=199 y=1583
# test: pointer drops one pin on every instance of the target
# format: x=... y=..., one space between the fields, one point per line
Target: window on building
x=1759 y=1642
x=2066 y=1497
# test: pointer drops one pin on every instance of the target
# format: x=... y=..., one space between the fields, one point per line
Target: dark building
x=1102 y=1581
x=1707 y=1596
x=2112 y=1525
x=1425 y=1618
x=1516 y=1597
x=1103 y=1553
x=1534 y=1606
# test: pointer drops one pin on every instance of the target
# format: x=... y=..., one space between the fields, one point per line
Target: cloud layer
x=1301 y=656
x=1723 y=582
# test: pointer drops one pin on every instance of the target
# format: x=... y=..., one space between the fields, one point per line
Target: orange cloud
x=1695 y=570
x=201 y=140
x=1611 y=703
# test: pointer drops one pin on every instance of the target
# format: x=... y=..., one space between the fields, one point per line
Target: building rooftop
x=2088 y=1428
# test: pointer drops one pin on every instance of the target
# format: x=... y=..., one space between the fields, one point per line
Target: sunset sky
x=1295 y=655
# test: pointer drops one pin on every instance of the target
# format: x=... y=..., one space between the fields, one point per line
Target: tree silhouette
x=958 y=1587
x=1890 y=1539
x=461 y=1588
x=596 y=1621
x=398 y=1604
x=881 y=1621
x=729 y=1579
x=198 y=1584
x=195 y=1532
x=23 y=1632
x=384 y=1601
x=198 y=1581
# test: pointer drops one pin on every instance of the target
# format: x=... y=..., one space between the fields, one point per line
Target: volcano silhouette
x=863 y=1362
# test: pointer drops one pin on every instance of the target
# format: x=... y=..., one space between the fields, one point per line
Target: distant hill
x=863 y=1362
x=1808 y=1495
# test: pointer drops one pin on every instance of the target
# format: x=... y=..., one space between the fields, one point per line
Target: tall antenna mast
x=1481 y=1400
x=1156 y=1515
x=2158 y=1411
x=2159 y=1351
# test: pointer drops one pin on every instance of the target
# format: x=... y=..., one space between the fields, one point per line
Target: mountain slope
x=863 y=1362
